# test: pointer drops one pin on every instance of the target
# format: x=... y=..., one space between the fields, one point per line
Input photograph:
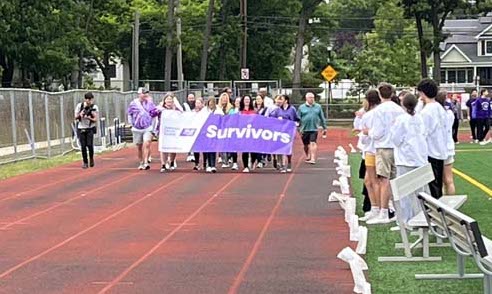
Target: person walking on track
x=311 y=116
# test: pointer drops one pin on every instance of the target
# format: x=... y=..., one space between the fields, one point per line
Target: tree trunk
x=169 y=49
x=222 y=48
x=301 y=33
x=423 y=50
x=436 y=50
x=8 y=70
x=206 y=39
x=104 y=66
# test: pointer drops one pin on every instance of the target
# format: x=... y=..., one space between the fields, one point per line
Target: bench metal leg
x=431 y=245
x=425 y=243
x=460 y=260
x=487 y=284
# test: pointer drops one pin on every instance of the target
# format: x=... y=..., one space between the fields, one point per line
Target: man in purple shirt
x=284 y=111
x=140 y=115
x=482 y=112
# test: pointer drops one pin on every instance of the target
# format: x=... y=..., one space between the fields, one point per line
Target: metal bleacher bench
x=402 y=187
x=465 y=237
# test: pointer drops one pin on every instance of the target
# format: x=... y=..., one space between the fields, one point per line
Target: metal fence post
x=47 y=119
x=14 y=127
x=62 y=119
x=31 y=123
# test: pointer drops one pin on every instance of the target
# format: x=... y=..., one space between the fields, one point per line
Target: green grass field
x=473 y=160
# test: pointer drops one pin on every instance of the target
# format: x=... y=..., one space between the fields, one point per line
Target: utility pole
x=244 y=45
x=179 y=55
x=169 y=49
x=135 y=51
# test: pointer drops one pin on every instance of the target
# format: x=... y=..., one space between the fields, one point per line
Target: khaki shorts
x=139 y=137
x=385 y=163
x=449 y=160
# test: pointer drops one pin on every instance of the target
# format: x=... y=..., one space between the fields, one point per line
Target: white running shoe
x=208 y=169
x=141 y=166
x=380 y=219
x=234 y=166
x=368 y=216
x=246 y=170
x=213 y=170
x=225 y=165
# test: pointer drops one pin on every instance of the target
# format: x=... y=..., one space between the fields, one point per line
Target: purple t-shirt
x=140 y=114
x=482 y=108
x=290 y=113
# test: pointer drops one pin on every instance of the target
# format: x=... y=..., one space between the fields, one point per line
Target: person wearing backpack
x=86 y=113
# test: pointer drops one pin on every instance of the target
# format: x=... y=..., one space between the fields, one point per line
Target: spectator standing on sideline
x=435 y=121
x=86 y=113
x=448 y=181
x=472 y=116
x=141 y=120
x=311 y=116
x=385 y=116
x=482 y=110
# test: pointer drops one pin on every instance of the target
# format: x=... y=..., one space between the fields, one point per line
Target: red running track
x=114 y=229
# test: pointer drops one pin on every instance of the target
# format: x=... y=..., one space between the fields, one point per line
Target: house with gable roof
x=467 y=53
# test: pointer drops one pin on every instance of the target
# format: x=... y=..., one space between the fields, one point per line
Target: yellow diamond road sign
x=329 y=73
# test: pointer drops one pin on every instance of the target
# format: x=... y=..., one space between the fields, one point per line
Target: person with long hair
x=246 y=108
x=211 y=157
x=226 y=106
x=447 y=175
x=408 y=135
x=284 y=111
x=167 y=108
x=232 y=111
x=199 y=105
x=370 y=178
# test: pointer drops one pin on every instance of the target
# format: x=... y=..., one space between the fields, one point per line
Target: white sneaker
x=141 y=166
x=190 y=158
x=234 y=166
x=225 y=165
x=208 y=169
x=219 y=160
x=163 y=169
x=368 y=216
x=213 y=170
x=380 y=219
x=260 y=165
x=246 y=170
x=476 y=141
x=483 y=143
x=168 y=166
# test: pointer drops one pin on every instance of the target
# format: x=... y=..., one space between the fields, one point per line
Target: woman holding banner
x=211 y=157
x=226 y=106
x=199 y=105
x=246 y=108
x=167 y=108
x=284 y=111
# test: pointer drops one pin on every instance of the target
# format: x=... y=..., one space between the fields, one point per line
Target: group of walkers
x=480 y=114
x=398 y=134
x=145 y=118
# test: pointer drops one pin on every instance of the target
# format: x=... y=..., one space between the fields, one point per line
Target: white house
x=120 y=76
x=467 y=57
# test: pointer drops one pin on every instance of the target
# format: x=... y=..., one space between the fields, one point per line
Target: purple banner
x=246 y=133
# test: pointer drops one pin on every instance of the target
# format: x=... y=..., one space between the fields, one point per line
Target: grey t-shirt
x=85 y=123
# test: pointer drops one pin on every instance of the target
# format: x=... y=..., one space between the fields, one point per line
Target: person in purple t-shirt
x=140 y=115
x=289 y=112
x=482 y=112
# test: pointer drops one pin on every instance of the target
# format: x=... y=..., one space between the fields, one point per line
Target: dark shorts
x=308 y=137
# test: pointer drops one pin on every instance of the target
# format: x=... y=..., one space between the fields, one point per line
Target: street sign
x=244 y=73
x=329 y=73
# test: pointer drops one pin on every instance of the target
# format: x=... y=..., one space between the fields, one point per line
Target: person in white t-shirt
x=384 y=118
x=408 y=136
x=268 y=102
x=448 y=180
x=369 y=152
x=435 y=121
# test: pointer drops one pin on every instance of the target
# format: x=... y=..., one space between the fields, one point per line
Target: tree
x=206 y=39
x=308 y=8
